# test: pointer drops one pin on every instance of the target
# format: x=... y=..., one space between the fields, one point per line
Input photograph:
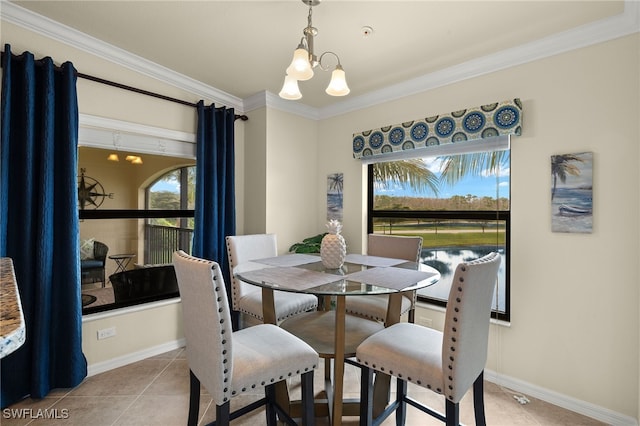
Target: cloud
x=502 y=172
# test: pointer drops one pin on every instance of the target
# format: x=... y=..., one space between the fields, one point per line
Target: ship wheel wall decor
x=90 y=192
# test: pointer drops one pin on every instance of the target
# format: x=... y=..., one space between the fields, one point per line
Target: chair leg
x=401 y=410
x=194 y=399
x=366 y=396
x=478 y=400
x=452 y=412
x=308 y=409
x=412 y=316
x=235 y=320
x=223 y=414
x=270 y=394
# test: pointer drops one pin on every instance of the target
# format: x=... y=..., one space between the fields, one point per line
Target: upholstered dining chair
x=230 y=363
x=247 y=298
x=394 y=246
x=447 y=362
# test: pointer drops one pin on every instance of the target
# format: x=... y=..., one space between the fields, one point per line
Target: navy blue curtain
x=215 y=210
x=39 y=226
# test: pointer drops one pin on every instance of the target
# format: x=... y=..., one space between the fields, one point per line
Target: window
x=140 y=199
x=459 y=204
x=174 y=190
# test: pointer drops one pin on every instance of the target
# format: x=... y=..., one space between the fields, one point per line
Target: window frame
x=500 y=215
x=146 y=214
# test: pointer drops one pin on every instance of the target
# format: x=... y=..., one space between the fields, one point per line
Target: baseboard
x=101 y=367
x=581 y=407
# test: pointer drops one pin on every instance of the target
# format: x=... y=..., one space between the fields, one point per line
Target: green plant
x=308 y=245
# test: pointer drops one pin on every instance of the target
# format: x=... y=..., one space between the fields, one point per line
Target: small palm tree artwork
x=335 y=183
x=572 y=192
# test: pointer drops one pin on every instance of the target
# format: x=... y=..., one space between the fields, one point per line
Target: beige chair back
x=398 y=247
x=395 y=246
x=244 y=248
x=206 y=322
x=466 y=331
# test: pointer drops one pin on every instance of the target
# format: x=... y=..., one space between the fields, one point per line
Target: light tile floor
x=155 y=391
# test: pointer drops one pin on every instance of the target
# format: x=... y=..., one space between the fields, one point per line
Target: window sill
x=129 y=309
x=443 y=310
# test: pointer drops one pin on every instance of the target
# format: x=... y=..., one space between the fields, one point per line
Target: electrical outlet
x=427 y=322
x=106 y=333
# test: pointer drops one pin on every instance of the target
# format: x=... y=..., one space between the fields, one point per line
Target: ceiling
x=243 y=47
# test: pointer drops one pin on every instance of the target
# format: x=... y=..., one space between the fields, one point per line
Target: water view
x=446 y=260
x=572 y=210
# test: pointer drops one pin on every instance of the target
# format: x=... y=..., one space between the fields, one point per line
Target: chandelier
x=305 y=60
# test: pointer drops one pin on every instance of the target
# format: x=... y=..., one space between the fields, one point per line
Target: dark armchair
x=144 y=284
x=93 y=268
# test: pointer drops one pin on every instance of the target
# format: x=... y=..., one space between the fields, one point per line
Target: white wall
x=254 y=171
x=291 y=177
x=141 y=331
x=574 y=297
x=280 y=171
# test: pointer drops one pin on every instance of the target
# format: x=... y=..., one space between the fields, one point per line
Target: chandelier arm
x=303 y=44
x=326 y=67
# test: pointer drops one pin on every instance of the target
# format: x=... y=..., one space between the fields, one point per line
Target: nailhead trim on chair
x=234 y=282
x=223 y=331
x=409 y=379
x=292 y=314
x=452 y=348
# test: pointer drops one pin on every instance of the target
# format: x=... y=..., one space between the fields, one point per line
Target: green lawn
x=459 y=239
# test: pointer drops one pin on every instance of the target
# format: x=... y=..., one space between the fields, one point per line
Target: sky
x=162 y=185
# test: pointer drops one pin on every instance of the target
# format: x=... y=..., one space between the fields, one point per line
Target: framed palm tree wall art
x=572 y=192
x=334 y=196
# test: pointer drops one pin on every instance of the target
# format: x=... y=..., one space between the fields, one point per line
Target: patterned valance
x=486 y=121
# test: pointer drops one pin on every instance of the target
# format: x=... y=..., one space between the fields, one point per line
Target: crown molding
x=271 y=100
x=42 y=25
x=606 y=29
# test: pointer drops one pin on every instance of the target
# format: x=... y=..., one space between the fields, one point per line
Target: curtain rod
x=146 y=92
x=134 y=89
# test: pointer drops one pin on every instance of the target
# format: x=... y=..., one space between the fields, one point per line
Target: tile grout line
x=143 y=390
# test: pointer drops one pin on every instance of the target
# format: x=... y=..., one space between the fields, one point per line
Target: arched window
x=175 y=190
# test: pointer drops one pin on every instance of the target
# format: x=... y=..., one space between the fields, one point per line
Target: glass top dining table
x=330 y=331
x=359 y=275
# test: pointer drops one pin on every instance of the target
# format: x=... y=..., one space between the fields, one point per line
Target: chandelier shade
x=304 y=61
x=300 y=67
x=290 y=89
x=338 y=84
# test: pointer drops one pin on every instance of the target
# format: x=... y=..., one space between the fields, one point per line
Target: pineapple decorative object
x=333 y=248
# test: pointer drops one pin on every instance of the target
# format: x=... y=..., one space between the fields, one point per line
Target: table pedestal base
x=334 y=336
